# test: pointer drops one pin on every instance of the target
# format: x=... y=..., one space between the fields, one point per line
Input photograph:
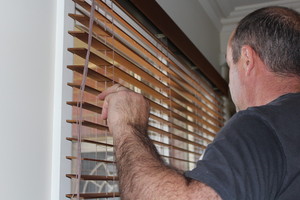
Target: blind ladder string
x=113 y=57
x=80 y=102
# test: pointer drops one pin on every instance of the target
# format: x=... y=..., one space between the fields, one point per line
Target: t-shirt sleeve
x=245 y=161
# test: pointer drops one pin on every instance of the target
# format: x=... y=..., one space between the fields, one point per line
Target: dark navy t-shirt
x=257 y=154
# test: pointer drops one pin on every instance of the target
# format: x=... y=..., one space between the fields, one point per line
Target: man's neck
x=274 y=87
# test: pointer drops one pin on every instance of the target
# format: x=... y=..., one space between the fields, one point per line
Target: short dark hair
x=274 y=34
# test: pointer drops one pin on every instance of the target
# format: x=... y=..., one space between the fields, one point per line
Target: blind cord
x=80 y=102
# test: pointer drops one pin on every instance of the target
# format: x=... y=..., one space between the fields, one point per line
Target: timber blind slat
x=185 y=112
x=91 y=177
x=98 y=77
x=156 y=60
x=95 y=195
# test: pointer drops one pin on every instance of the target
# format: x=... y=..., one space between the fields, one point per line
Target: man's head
x=272 y=34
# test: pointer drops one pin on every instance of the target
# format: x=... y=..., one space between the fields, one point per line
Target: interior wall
x=27 y=73
x=191 y=17
x=27 y=59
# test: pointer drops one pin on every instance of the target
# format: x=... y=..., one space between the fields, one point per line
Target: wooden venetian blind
x=185 y=111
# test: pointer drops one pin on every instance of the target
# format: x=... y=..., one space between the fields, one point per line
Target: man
x=256 y=155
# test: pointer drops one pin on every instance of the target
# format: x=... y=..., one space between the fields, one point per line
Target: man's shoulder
x=246 y=119
x=282 y=110
x=283 y=104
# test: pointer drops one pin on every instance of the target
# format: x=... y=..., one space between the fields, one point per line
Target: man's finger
x=104 y=112
x=108 y=91
x=113 y=89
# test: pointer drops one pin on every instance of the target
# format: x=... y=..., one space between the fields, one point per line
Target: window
x=186 y=112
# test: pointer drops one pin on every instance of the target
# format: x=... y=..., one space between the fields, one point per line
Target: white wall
x=193 y=20
x=29 y=65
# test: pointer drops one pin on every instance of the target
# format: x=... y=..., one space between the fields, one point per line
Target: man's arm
x=142 y=173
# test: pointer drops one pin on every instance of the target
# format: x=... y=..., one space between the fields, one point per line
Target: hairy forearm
x=138 y=163
x=144 y=175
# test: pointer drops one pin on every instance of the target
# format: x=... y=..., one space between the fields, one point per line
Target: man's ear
x=247 y=57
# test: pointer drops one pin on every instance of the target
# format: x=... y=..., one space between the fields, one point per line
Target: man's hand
x=142 y=173
x=123 y=108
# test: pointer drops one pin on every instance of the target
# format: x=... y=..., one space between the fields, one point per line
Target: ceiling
x=223 y=12
x=227 y=6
